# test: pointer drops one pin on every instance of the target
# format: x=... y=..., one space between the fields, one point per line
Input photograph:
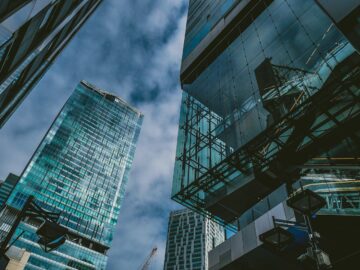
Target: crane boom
x=146 y=264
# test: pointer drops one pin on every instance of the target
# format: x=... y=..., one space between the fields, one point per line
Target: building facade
x=190 y=238
x=270 y=97
x=80 y=169
x=32 y=34
x=7 y=187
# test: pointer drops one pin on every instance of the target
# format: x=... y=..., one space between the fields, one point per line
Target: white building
x=190 y=238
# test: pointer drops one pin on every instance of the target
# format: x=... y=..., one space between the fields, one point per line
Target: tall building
x=270 y=97
x=7 y=186
x=80 y=169
x=32 y=34
x=190 y=238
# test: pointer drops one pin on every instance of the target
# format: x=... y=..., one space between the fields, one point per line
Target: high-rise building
x=270 y=97
x=190 y=237
x=32 y=34
x=7 y=186
x=80 y=169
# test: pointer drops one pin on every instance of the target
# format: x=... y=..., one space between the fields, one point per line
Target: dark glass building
x=32 y=34
x=270 y=97
x=7 y=186
x=80 y=169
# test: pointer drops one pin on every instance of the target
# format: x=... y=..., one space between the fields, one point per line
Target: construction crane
x=146 y=264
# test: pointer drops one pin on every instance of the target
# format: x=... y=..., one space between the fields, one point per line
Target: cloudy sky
x=131 y=48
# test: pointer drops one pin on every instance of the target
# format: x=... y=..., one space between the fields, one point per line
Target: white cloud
x=127 y=47
x=147 y=204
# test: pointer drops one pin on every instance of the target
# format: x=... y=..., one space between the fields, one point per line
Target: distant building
x=32 y=34
x=190 y=238
x=7 y=186
x=80 y=169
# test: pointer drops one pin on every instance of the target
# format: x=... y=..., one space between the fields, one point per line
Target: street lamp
x=277 y=238
x=306 y=202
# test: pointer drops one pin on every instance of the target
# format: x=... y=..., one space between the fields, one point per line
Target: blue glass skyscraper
x=80 y=169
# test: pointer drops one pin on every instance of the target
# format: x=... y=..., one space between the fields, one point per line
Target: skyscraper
x=7 y=187
x=270 y=97
x=190 y=238
x=32 y=34
x=80 y=169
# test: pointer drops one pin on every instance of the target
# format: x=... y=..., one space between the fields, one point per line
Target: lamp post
x=307 y=203
x=277 y=238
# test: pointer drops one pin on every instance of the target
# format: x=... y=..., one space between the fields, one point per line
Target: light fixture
x=277 y=238
x=306 y=202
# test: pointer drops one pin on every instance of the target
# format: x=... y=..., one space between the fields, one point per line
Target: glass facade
x=7 y=187
x=203 y=15
x=32 y=34
x=190 y=238
x=259 y=100
x=80 y=169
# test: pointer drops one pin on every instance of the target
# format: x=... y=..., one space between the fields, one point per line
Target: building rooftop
x=110 y=96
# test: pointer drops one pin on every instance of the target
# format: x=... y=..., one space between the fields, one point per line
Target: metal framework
x=10 y=219
x=316 y=122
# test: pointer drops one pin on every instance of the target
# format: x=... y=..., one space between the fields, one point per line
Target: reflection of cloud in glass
x=292 y=34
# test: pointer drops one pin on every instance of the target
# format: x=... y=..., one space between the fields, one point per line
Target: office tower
x=270 y=97
x=80 y=169
x=32 y=34
x=190 y=238
x=7 y=187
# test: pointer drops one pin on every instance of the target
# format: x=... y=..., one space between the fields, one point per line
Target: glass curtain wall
x=80 y=170
x=287 y=53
